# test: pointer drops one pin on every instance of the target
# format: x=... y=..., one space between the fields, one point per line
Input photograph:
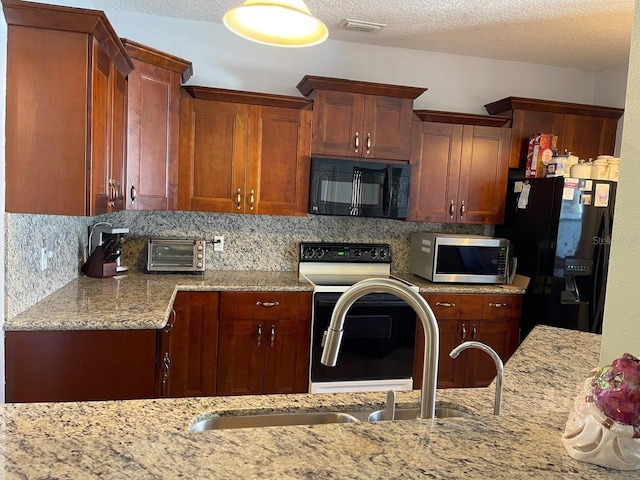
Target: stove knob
x=374 y=253
x=357 y=253
x=320 y=252
x=383 y=253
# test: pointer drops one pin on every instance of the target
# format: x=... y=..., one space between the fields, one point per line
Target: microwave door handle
x=387 y=192
x=356 y=193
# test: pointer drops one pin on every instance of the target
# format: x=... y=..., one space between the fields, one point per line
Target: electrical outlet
x=43 y=259
x=218 y=243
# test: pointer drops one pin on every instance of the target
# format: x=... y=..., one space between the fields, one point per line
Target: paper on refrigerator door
x=601 y=195
x=523 y=199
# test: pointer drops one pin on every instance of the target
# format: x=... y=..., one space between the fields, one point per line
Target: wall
x=611 y=90
x=621 y=328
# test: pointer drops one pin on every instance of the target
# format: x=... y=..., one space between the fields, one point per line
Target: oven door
x=377 y=347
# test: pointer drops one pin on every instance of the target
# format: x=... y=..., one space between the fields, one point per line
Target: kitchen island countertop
x=149 y=439
x=144 y=301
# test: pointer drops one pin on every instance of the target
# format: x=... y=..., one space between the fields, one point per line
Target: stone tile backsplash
x=252 y=242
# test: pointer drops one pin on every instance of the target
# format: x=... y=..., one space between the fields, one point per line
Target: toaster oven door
x=175 y=256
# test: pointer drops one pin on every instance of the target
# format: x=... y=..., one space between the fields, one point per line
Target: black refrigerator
x=560 y=231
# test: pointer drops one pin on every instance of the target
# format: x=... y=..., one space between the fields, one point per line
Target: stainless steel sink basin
x=413 y=413
x=271 y=420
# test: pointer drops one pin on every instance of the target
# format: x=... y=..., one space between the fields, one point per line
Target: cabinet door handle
x=267 y=304
x=111 y=196
x=259 y=335
x=239 y=199
x=462 y=209
x=497 y=305
x=273 y=335
x=368 y=143
x=445 y=304
x=464 y=332
x=452 y=209
x=357 y=142
x=474 y=334
x=251 y=200
x=166 y=366
x=133 y=194
x=171 y=322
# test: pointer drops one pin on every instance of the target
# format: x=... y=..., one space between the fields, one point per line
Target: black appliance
x=560 y=232
x=359 y=189
x=377 y=350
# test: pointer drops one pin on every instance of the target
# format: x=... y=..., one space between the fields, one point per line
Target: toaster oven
x=176 y=255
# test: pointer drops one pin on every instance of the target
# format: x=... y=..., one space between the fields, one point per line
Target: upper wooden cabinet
x=66 y=111
x=244 y=152
x=359 y=119
x=584 y=130
x=460 y=168
x=154 y=121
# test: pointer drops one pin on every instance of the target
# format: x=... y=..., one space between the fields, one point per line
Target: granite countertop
x=140 y=301
x=149 y=439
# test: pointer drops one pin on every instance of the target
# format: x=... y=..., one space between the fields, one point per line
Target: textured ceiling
x=584 y=34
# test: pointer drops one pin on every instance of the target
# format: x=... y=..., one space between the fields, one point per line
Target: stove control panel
x=345 y=252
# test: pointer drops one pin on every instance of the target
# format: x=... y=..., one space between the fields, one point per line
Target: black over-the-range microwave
x=359 y=189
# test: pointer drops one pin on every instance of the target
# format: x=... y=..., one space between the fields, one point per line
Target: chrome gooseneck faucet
x=419 y=305
x=499 y=368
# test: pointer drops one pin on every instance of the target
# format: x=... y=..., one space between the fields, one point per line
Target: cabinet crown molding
x=70 y=19
x=518 y=103
x=462 y=118
x=251 y=98
x=309 y=83
x=157 y=57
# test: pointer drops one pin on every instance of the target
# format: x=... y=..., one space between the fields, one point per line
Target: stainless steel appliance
x=360 y=189
x=460 y=258
x=377 y=351
x=111 y=237
x=176 y=255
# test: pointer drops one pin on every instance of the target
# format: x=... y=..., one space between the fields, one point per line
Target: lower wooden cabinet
x=263 y=342
x=53 y=366
x=490 y=319
x=188 y=347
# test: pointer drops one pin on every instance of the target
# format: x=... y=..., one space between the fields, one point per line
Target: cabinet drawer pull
x=368 y=143
x=267 y=304
x=357 y=142
x=251 y=199
x=452 y=209
x=462 y=209
x=239 y=199
x=497 y=305
x=259 y=335
x=273 y=335
x=133 y=194
x=464 y=332
x=445 y=304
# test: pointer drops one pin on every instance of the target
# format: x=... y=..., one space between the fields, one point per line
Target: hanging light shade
x=282 y=23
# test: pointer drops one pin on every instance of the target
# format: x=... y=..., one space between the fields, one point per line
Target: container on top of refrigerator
x=542 y=147
x=582 y=169
x=614 y=168
x=600 y=167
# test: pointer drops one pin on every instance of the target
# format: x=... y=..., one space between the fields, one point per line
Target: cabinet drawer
x=265 y=305
x=445 y=306
x=498 y=307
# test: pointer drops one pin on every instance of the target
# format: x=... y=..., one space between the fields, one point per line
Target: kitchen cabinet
x=490 y=319
x=55 y=366
x=188 y=347
x=66 y=111
x=243 y=152
x=264 y=342
x=584 y=130
x=460 y=168
x=360 y=119
x=153 y=127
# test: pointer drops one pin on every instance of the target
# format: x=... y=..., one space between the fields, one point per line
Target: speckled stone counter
x=149 y=439
x=143 y=301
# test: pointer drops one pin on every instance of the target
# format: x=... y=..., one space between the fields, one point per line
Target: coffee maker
x=102 y=235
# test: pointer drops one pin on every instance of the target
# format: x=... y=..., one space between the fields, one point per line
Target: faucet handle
x=390 y=410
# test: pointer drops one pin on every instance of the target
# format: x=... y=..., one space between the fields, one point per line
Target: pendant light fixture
x=281 y=23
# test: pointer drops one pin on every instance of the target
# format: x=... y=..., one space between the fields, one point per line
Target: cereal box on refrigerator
x=542 y=147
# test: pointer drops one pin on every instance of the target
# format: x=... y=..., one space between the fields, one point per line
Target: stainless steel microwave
x=176 y=255
x=460 y=258
x=359 y=189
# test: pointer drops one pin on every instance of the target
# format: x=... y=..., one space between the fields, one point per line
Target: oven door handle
x=394 y=302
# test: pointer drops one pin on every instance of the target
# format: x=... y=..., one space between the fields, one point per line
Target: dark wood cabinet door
x=587 y=137
x=483 y=175
x=152 y=158
x=338 y=119
x=193 y=345
x=56 y=366
x=241 y=353
x=100 y=106
x=435 y=161
x=118 y=128
x=287 y=357
x=213 y=153
x=278 y=161
x=386 y=131
x=527 y=123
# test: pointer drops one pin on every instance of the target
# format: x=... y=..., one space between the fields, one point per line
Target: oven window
x=378 y=341
x=457 y=259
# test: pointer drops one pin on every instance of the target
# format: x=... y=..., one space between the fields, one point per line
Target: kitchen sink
x=218 y=422
x=413 y=413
